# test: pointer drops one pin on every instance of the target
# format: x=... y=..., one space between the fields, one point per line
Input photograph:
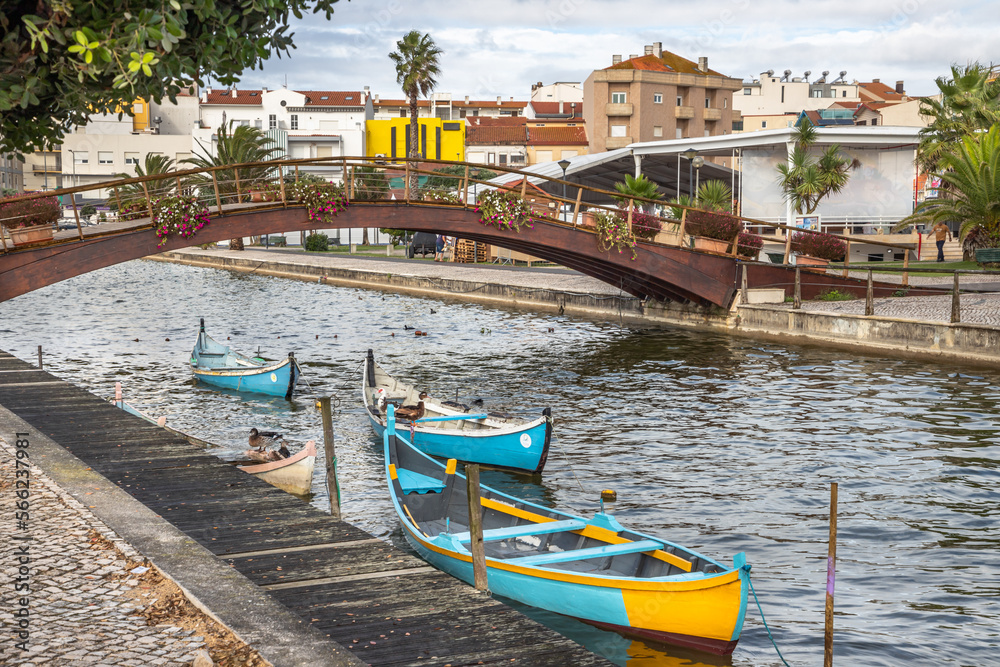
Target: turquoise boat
x=219 y=365
x=450 y=430
x=591 y=569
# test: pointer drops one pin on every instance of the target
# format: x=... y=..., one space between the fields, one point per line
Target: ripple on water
x=718 y=443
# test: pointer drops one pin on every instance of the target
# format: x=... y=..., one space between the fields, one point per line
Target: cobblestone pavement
x=975 y=308
x=79 y=611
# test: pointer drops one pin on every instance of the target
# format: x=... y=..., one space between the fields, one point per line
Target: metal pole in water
x=332 y=487
x=476 y=526
x=831 y=569
x=39 y=357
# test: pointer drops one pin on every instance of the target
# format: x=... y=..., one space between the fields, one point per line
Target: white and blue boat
x=450 y=430
x=219 y=365
x=591 y=569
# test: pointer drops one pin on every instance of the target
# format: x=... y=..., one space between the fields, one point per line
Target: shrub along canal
x=720 y=444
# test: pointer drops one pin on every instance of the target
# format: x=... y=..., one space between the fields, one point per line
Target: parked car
x=423 y=244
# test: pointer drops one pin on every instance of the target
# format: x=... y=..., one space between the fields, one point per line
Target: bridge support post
x=218 y=199
x=145 y=191
x=76 y=214
x=406 y=183
x=684 y=215
x=847 y=262
x=576 y=207
x=797 y=299
x=788 y=245
x=465 y=188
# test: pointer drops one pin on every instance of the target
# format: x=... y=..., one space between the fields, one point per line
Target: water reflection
x=718 y=443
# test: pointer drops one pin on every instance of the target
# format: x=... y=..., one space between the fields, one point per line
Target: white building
x=560 y=91
x=774 y=95
x=442 y=105
x=303 y=124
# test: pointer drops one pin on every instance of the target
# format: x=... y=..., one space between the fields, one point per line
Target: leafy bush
x=644 y=225
x=325 y=201
x=317 y=243
x=822 y=246
x=396 y=236
x=88 y=210
x=720 y=226
x=612 y=232
x=504 y=210
x=835 y=295
x=749 y=244
x=29 y=212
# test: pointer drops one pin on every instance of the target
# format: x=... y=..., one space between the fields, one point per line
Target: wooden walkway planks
x=390 y=607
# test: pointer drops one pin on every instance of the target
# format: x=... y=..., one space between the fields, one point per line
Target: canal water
x=721 y=444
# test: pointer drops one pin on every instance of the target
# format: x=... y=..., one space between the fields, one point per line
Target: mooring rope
x=769 y=635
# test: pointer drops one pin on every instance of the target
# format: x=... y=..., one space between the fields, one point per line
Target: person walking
x=439 y=248
x=941 y=232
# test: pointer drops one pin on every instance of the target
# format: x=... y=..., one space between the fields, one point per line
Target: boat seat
x=414 y=482
x=593 y=552
x=526 y=529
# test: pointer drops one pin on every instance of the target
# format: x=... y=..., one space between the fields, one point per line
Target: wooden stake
x=788 y=246
x=476 y=526
x=744 y=296
x=332 y=486
x=797 y=299
x=906 y=265
x=284 y=199
x=684 y=215
x=239 y=195
x=215 y=184
x=119 y=201
x=40 y=358
x=847 y=260
x=870 y=297
x=956 y=303
x=831 y=569
x=76 y=214
x=628 y=221
x=465 y=188
x=406 y=183
x=576 y=206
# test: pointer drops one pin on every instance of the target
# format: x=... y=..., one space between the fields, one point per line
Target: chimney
x=633 y=55
x=204 y=96
x=572 y=109
x=702 y=63
x=234 y=91
x=616 y=59
x=899 y=87
x=375 y=100
x=263 y=90
x=647 y=50
x=658 y=49
x=466 y=99
x=876 y=81
x=498 y=100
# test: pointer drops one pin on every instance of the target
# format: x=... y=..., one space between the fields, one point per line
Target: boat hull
x=522 y=450
x=706 y=614
x=293 y=474
x=274 y=380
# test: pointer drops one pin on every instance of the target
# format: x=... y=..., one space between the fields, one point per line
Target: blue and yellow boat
x=219 y=365
x=450 y=430
x=594 y=570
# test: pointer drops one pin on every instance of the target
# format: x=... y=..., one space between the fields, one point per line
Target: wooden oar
x=451 y=419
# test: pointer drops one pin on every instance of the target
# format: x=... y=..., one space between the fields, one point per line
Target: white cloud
x=501 y=48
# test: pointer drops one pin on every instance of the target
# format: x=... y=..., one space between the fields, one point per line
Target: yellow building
x=439 y=139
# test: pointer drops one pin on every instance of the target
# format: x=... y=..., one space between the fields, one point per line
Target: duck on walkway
x=263 y=439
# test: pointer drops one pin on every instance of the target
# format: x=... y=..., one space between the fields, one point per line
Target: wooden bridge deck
x=390 y=607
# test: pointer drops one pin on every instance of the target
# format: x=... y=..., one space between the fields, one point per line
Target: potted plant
x=713 y=231
x=748 y=245
x=182 y=216
x=325 y=200
x=504 y=210
x=29 y=220
x=817 y=250
x=613 y=232
x=440 y=196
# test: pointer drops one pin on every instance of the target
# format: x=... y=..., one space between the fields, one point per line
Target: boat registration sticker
x=274 y=378
x=525 y=440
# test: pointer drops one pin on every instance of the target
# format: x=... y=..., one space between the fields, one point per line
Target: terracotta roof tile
x=509 y=135
x=507 y=121
x=333 y=98
x=667 y=62
x=881 y=92
x=226 y=97
x=552 y=136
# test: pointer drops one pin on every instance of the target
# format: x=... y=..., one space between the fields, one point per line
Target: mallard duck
x=263 y=439
x=412 y=412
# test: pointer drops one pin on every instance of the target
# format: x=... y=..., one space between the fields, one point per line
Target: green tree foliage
x=970 y=102
x=450 y=178
x=806 y=180
x=640 y=187
x=370 y=184
x=715 y=195
x=63 y=60
x=971 y=171
x=417 y=67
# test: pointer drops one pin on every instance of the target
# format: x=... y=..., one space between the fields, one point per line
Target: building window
x=725 y=103
x=746 y=91
x=657 y=131
x=461 y=113
x=402 y=113
x=81 y=157
x=131 y=158
x=874 y=121
x=680 y=100
x=503 y=159
x=272 y=122
x=763 y=124
x=105 y=157
x=617 y=130
x=843 y=93
x=517 y=159
x=491 y=158
x=708 y=133
x=258 y=124
x=618 y=98
x=657 y=98
x=294 y=119
x=680 y=133
x=708 y=103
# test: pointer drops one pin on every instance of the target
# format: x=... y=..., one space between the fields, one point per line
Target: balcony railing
x=613 y=109
x=683 y=112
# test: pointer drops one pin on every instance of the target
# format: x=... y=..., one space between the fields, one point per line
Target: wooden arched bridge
x=665 y=266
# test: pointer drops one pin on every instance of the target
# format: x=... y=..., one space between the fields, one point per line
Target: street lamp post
x=697 y=162
x=689 y=155
x=564 y=164
x=73 y=155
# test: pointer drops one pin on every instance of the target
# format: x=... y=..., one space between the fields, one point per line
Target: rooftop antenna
x=286 y=80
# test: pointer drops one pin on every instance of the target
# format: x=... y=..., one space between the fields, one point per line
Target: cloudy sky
x=503 y=46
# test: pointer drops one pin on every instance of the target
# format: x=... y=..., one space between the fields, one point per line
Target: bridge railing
x=225 y=189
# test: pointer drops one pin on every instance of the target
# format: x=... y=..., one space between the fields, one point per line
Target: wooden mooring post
x=870 y=297
x=831 y=570
x=39 y=357
x=332 y=486
x=744 y=297
x=956 y=303
x=476 y=526
x=797 y=298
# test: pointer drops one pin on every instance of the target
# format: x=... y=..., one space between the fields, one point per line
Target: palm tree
x=715 y=195
x=969 y=102
x=240 y=145
x=637 y=188
x=133 y=197
x=416 y=60
x=805 y=179
x=971 y=172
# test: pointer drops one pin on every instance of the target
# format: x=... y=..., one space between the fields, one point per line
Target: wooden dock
x=386 y=605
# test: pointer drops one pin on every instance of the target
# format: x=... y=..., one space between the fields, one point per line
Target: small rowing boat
x=219 y=365
x=591 y=569
x=453 y=431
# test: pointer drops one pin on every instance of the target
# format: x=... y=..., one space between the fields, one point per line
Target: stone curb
x=224 y=594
